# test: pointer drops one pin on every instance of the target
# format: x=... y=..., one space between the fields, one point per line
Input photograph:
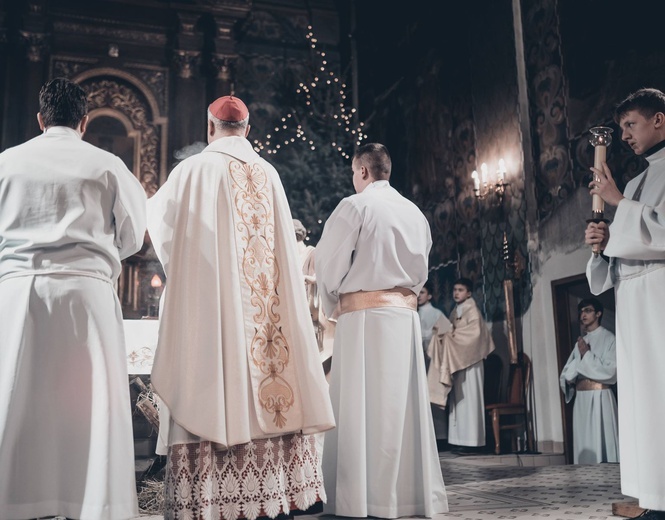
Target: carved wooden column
x=27 y=66
x=189 y=100
x=224 y=58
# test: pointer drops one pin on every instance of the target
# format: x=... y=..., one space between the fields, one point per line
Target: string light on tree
x=316 y=96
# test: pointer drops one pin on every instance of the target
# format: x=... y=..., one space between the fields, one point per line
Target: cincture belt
x=587 y=384
x=60 y=272
x=397 y=297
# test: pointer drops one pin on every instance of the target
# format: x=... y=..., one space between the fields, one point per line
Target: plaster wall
x=559 y=252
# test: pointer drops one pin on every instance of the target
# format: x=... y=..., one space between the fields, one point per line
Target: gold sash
x=587 y=384
x=397 y=297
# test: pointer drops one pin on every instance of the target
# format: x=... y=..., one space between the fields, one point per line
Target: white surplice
x=428 y=315
x=69 y=213
x=237 y=358
x=637 y=272
x=595 y=425
x=382 y=458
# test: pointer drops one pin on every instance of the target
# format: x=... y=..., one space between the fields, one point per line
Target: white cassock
x=595 y=426
x=637 y=272
x=466 y=402
x=428 y=315
x=382 y=458
x=69 y=213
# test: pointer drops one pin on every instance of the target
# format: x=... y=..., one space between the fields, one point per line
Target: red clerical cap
x=228 y=108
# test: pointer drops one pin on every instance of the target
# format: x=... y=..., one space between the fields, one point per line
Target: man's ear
x=659 y=119
x=83 y=125
x=40 y=121
x=365 y=172
x=211 y=128
x=247 y=130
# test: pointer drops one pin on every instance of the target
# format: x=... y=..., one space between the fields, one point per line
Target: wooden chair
x=515 y=408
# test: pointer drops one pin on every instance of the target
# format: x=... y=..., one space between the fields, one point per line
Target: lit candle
x=156 y=282
x=501 y=172
x=476 y=181
x=483 y=173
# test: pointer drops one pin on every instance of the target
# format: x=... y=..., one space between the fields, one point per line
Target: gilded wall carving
x=109 y=93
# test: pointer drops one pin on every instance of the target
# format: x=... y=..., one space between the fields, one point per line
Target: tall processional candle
x=600 y=139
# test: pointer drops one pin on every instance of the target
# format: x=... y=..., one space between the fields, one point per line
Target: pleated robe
x=595 y=423
x=382 y=458
x=69 y=212
x=636 y=270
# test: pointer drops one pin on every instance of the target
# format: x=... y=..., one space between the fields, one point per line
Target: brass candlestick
x=601 y=138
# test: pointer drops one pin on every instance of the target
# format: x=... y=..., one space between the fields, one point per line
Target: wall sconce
x=482 y=187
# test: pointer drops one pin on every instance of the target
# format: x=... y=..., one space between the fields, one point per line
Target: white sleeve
x=569 y=374
x=637 y=232
x=599 y=275
x=334 y=252
x=128 y=211
x=161 y=209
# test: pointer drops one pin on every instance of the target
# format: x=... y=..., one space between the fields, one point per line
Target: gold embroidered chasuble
x=237 y=357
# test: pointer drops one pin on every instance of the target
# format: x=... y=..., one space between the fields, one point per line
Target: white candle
x=501 y=172
x=599 y=157
x=476 y=181
x=483 y=173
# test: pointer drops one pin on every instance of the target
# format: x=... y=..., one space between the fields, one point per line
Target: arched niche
x=112 y=131
x=120 y=95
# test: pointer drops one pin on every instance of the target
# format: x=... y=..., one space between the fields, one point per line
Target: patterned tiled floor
x=520 y=488
x=557 y=492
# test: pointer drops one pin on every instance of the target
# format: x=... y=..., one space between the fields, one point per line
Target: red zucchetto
x=229 y=108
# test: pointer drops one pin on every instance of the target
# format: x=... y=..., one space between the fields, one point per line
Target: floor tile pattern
x=521 y=488
x=559 y=492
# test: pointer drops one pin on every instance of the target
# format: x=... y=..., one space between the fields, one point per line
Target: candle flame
x=156 y=281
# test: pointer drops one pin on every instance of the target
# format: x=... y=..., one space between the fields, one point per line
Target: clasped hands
x=582 y=346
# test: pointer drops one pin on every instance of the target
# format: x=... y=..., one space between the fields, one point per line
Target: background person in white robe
x=237 y=366
x=324 y=327
x=587 y=376
x=466 y=401
x=69 y=213
x=382 y=459
x=634 y=264
x=429 y=315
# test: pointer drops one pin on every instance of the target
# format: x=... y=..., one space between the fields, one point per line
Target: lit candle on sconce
x=156 y=286
x=483 y=186
x=501 y=173
x=476 y=182
x=156 y=282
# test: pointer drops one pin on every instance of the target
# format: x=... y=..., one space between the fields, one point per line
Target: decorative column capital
x=186 y=62
x=36 y=45
x=224 y=65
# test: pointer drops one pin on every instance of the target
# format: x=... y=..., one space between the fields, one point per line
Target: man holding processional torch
x=629 y=255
